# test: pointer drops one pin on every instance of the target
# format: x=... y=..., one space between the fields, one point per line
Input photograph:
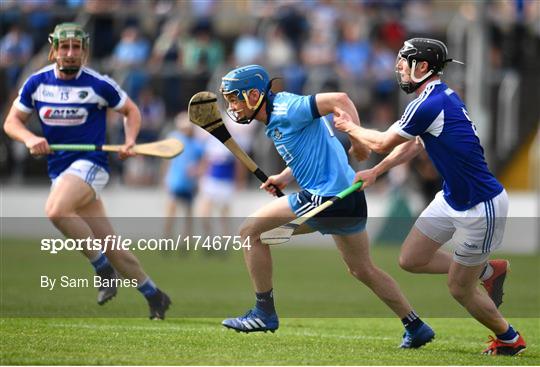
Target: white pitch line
x=172 y=327
x=351 y=337
x=126 y=328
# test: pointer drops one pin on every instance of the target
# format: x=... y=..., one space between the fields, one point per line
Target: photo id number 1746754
x=216 y=243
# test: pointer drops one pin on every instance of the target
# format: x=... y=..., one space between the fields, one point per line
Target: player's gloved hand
x=369 y=176
x=343 y=121
x=37 y=145
x=274 y=181
x=127 y=150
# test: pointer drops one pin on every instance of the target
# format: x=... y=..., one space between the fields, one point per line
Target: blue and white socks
x=102 y=265
x=510 y=336
x=148 y=288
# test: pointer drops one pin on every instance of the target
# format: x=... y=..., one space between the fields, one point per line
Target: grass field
x=203 y=342
x=327 y=318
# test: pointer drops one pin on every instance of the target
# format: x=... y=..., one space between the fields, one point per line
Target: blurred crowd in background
x=163 y=51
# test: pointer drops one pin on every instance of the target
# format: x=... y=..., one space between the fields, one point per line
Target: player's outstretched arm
x=380 y=142
x=328 y=103
x=399 y=155
x=332 y=102
x=132 y=125
x=15 y=128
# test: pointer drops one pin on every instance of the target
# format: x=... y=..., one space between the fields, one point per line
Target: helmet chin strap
x=233 y=116
x=259 y=101
x=410 y=86
x=258 y=105
x=422 y=79
x=247 y=120
x=69 y=71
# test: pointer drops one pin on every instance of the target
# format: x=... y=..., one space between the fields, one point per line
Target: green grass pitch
x=327 y=317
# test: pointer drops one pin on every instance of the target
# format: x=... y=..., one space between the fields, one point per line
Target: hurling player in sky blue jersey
x=472 y=207
x=71 y=101
x=301 y=133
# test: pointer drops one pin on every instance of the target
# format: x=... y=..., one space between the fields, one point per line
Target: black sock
x=412 y=321
x=265 y=301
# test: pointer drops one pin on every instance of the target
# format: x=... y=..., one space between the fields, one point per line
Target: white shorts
x=475 y=232
x=219 y=191
x=94 y=175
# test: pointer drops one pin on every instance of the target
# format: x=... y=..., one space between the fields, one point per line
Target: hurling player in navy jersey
x=472 y=207
x=71 y=101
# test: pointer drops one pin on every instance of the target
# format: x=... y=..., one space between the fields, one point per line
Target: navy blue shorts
x=346 y=216
x=186 y=196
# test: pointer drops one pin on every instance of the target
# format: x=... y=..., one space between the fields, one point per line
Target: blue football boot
x=423 y=335
x=254 y=320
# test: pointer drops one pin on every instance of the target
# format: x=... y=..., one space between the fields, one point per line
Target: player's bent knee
x=406 y=263
x=410 y=264
x=459 y=291
x=362 y=273
x=246 y=230
x=55 y=213
x=249 y=229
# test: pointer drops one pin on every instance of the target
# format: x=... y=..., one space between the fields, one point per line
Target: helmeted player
x=302 y=134
x=71 y=101
x=473 y=205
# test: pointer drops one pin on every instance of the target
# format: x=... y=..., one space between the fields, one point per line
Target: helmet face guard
x=240 y=82
x=416 y=50
x=68 y=32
